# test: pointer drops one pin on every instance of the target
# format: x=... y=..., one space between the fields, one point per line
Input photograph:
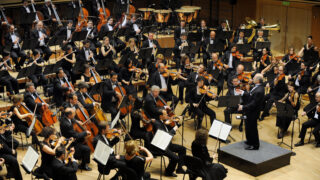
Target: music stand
x=229 y=101
x=247 y=32
x=22 y=73
x=79 y=36
x=101 y=153
x=261 y=45
x=243 y=48
x=145 y=53
x=48 y=69
x=29 y=44
x=194 y=37
x=286 y=111
x=30 y=160
x=216 y=47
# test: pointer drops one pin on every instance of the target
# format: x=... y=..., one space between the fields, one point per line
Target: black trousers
x=308 y=124
x=11 y=84
x=39 y=79
x=227 y=113
x=46 y=51
x=269 y=99
x=141 y=133
x=173 y=158
x=15 y=54
x=251 y=129
x=112 y=109
x=219 y=84
x=201 y=111
x=182 y=85
x=82 y=152
x=12 y=166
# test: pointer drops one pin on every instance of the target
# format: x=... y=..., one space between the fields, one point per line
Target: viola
x=237 y=54
x=25 y=110
x=206 y=90
x=264 y=58
x=48 y=118
x=147 y=123
x=294 y=57
x=99 y=114
x=281 y=76
x=170 y=118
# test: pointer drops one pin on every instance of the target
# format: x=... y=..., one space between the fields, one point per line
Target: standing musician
x=68 y=33
x=107 y=52
x=67 y=60
x=199 y=95
x=164 y=83
x=312 y=110
x=309 y=52
x=261 y=23
x=12 y=40
x=60 y=88
x=82 y=151
x=180 y=30
x=40 y=34
x=302 y=80
x=209 y=41
x=257 y=53
x=26 y=18
x=216 y=68
x=278 y=89
x=48 y=12
x=291 y=98
x=240 y=39
x=73 y=6
x=235 y=90
x=180 y=45
x=6 y=79
x=151 y=43
x=62 y=170
x=291 y=60
x=203 y=28
x=106 y=136
x=232 y=58
x=251 y=108
x=92 y=36
x=38 y=78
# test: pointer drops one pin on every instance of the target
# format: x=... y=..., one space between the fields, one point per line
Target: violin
x=23 y=109
x=48 y=118
x=281 y=76
x=244 y=80
x=218 y=64
x=237 y=54
x=294 y=57
x=206 y=90
x=135 y=69
x=113 y=133
x=147 y=123
x=264 y=58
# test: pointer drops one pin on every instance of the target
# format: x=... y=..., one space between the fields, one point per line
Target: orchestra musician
x=153 y=67
x=232 y=58
x=67 y=60
x=184 y=71
x=181 y=45
x=309 y=52
x=82 y=151
x=313 y=89
x=261 y=23
x=209 y=41
x=86 y=55
x=67 y=32
x=127 y=74
x=216 y=68
x=131 y=51
x=265 y=59
x=73 y=6
x=60 y=89
x=302 y=80
x=8 y=130
x=82 y=94
x=134 y=29
x=312 y=111
x=92 y=37
x=151 y=43
x=30 y=96
x=26 y=18
x=40 y=34
x=6 y=79
x=38 y=77
x=47 y=11
x=12 y=40
x=240 y=39
x=86 y=75
x=291 y=60
x=257 y=53
x=180 y=30
x=107 y=52
x=106 y=28
x=62 y=170
x=251 y=108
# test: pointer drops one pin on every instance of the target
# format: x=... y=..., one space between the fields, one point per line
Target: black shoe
x=86 y=168
x=180 y=171
x=246 y=142
x=317 y=145
x=300 y=143
x=280 y=135
x=251 y=148
x=170 y=174
x=181 y=101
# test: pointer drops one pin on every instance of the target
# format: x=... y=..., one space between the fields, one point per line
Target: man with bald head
x=311 y=110
x=253 y=102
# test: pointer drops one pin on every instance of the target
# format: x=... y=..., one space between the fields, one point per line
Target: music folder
x=161 y=140
x=29 y=160
x=220 y=130
x=101 y=153
x=229 y=101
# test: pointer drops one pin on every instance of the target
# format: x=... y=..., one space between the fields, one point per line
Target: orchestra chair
x=194 y=166
x=162 y=162
x=127 y=173
x=23 y=138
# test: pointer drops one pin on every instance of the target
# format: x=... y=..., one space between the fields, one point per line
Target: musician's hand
x=240 y=107
x=164 y=112
x=118 y=157
x=309 y=89
x=303 y=113
x=289 y=77
x=175 y=128
x=71 y=139
x=141 y=148
x=88 y=133
x=13 y=151
x=195 y=105
x=164 y=89
x=138 y=31
x=2 y=161
x=54 y=20
x=267 y=85
x=30 y=115
x=118 y=95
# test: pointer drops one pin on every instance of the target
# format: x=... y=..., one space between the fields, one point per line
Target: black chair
x=195 y=167
x=127 y=173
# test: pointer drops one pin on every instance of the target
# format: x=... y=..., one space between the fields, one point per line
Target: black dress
x=137 y=164
x=284 y=122
x=46 y=161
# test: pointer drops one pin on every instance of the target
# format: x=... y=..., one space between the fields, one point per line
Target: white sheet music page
x=115 y=120
x=102 y=153
x=220 y=130
x=161 y=139
x=30 y=159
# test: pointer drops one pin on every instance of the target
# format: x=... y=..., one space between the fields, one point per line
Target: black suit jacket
x=177 y=51
x=26 y=18
x=254 y=102
x=107 y=95
x=30 y=102
x=67 y=129
x=8 y=40
x=201 y=151
x=177 y=32
x=155 y=80
x=82 y=101
x=146 y=43
x=235 y=60
x=236 y=39
x=150 y=107
x=35 y=35
x=58 y=92
x=45 y=12
x=64 y=171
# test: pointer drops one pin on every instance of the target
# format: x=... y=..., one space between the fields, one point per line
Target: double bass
x=83 y=17
x=48 y=118
x=23 y=109
x=103 y=16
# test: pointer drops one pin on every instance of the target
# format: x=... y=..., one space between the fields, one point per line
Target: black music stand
x=261 y=45
x=48 y=69
x=145 y=53
x=166 y=52
x=216 y=47
x=29 y=44
x=79 y=36
x=194 y=37
x=243 y=48
x=247 y=32
x=265 y=33
x=22 y=73
x=286 y=111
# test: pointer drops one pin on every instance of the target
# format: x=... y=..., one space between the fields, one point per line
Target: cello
x=103 y=16
x=89 y=139
x=48 y=118
x=83 y=17
x=95 y=79
x=23 y=109
x=99 y=114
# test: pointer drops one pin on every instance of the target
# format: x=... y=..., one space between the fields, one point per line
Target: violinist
x=82 y=151
x=107 y=52
x=114 y=161
x=62 y=170
x=30 y=96
x=9 y=156
x=292 y=61
x=135 y=161
x=240 y=39
x=239 y=72
x=302 y=79
x=43 y=38
x=181 y=45
x=234 y=91
x=128 y=73
x=6 y=79
x=312 y=110
x=199 y=95
x=192 y=78
x=232 y=58
x=67 y=32
x=257 y=53
x=278 y=89
x=60 y=89
x=265 y=59
x=216 y=69
x=6 y=134
x=150 y=104
x=151 y=43
x=309 y=52
x=291 y=98
x=67 y=60
x=12 y=40
x=164 y=83
x=38 y=77
x=134 y=29
x=154 y=66
x=313 y=89
x=184 y=72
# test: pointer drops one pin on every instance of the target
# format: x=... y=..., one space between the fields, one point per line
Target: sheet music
x=220 y=130
x=161 y=139
x=30 y=159
x=31 y=127
x=115 y=120
x=102 y=153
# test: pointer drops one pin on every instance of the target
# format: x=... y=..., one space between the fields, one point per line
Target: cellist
x=30 y=96
x=82 y=95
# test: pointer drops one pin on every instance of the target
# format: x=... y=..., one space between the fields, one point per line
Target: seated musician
x=232 y=58
x=312 y=110
x=106 y=28
x=239 y=72
x=164 y=83
x=131 y=51
x=68 y=59
x=278 y=89
x=82 y=94
x=291 y=98
x=209 y=41
x=67 y=32
x=198 y=102
x=154 y=66
x=302 y=80
x=135 y=161
x=257 y=53
x=107 y=52
x=240 y=39
x=82 y=151
x=265 y=59
x=86 y=75
x=216 y=69
x=109 y=96
x=180 y=45
x=202 y=29
x=48 y=151
x=184 y=72
x=312 y=90
x=150 y=43
x=18 y=119
x=127 y=74
x=60 y=89
x=38 y=77
x=86 y=55
x=192 y=78
x=291 y=60
x=235 y=90
x=134 y=30
x=6 y=79
x=30 y=96
x=40 y=34
x=9 y=127
x=309 y=52
x=62 y=170
x=12 y=40
x=180 y=30
x=200 y=150
x=92 y=37
x=9 y=156
x=114 y=161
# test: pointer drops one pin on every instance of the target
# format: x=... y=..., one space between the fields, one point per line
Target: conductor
x=251 y=108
